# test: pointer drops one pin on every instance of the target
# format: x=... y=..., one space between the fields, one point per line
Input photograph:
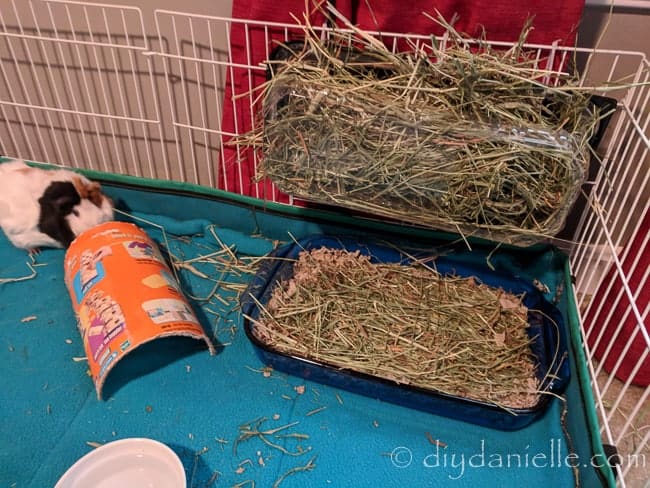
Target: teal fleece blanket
x=174 y=391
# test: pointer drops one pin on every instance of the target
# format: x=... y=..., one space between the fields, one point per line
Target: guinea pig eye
x=75 y=212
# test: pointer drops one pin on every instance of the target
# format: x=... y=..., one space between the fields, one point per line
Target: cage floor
x=175 y=392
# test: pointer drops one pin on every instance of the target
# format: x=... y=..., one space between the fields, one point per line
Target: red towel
x=502 y=19
x=554 y=20
x=615 y=311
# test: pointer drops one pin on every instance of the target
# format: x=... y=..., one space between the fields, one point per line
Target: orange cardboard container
x=124 y=295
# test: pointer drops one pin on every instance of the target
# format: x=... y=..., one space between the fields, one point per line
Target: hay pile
x=408 y=324
x=464 y=137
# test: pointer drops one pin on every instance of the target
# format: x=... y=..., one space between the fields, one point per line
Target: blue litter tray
x=546 y=330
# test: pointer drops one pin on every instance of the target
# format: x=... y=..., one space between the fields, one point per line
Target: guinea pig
x=48 y=208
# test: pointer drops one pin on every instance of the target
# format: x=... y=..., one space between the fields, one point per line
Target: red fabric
x=554 y=20
x=596 y=321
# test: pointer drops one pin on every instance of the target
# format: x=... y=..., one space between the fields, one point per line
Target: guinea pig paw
x=33 y=252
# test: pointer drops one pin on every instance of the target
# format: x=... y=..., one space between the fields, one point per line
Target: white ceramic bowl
x=127 y=463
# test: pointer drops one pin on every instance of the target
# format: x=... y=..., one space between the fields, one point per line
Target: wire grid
x=612 y=262
x=103 y=87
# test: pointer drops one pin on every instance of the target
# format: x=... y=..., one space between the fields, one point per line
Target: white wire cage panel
x=162 y=94
x=76 y=86
x=610 y=262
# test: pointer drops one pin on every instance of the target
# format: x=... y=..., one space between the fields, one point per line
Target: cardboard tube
x=124 y=295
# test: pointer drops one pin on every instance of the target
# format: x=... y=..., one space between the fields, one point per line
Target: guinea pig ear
x=95 y=194
x=88 y=189
x=80 y=186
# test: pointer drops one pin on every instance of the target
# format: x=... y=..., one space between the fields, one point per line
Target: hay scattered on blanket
x=457 y=136
x=404 y=323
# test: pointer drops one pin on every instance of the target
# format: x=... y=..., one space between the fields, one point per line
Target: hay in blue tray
x=431 y=334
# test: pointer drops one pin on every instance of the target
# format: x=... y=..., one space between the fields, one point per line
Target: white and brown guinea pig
x=48 y=208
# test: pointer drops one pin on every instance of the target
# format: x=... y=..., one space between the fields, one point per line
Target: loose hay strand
x=408 y=324
x=31 y=275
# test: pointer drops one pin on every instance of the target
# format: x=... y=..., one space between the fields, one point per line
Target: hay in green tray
x=464 y=138
x=404 y=323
